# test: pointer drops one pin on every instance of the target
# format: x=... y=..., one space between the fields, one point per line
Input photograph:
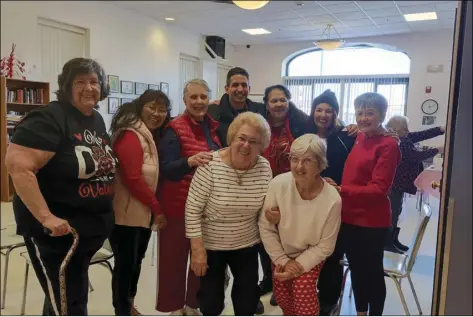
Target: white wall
x=263 y=62
x=134 y=47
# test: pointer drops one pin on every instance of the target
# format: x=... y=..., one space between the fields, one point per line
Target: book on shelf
x=26 y=95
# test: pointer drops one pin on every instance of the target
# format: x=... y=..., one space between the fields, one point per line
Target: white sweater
x=308 y=229
x=222 y=212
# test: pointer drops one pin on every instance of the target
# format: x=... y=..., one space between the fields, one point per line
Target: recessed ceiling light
x=420 y=16
x=169 y=19
x=256 y=31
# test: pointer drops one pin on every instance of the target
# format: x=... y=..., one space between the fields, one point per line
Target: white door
x=59 y=43
x=222 y=71
x=188 y=70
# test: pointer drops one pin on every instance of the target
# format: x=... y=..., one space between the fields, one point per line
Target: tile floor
x=100 y=299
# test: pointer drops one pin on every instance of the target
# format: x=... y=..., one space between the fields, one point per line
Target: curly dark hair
x=72 y=69
x=268 y=90
x=129 y=113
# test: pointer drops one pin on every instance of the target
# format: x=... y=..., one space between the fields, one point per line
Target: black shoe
x=265 y=286
x=273 y=301
x=327 y=310
x=260 y=308
x=393 y=249
x=397 y=244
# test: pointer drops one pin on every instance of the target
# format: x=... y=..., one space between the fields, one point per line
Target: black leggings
x=129 y=246
x=364 y=249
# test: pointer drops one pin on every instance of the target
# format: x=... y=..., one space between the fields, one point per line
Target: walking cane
x=62 y=275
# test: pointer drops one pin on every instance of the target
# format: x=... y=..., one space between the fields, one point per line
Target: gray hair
x=195 y=81
x=372 y=100
x=255 y=120
x=398 y=124
x=315 y=145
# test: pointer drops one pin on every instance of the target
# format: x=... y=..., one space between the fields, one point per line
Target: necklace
x=238 y=175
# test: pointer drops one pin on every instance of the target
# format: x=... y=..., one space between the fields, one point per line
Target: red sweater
x=130 y=155
x=367 y=178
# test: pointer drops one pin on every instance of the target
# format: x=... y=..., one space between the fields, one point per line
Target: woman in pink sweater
x=308 y=227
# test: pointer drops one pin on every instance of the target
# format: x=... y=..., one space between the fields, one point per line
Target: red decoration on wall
x=428 y=89
x=11 y=66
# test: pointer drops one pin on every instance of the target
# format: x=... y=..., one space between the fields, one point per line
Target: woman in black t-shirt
x=63 y=167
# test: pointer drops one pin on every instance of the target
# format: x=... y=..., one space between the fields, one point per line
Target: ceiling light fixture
x=329 y=43
x=169 y=19
x=256 y=31
x=251 y=5
x=420 y=16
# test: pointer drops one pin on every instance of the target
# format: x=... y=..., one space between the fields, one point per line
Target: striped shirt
x=222 y=212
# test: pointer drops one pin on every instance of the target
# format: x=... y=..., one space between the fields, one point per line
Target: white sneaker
x=179 y=312
x=191 y=312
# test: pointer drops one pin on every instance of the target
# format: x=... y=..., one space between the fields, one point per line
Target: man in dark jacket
x=234 y=102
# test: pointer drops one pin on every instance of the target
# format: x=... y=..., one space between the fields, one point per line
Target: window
x=349 y=73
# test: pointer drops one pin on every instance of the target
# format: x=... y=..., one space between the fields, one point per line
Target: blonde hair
x=254 y=120
x=195 y=81
x=398 y=123
x=313 y=143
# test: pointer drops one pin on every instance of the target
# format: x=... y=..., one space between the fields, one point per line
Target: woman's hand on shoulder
x=391 y=133
x=200 y=159
x=352 y=130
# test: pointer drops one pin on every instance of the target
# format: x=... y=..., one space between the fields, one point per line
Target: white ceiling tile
x=350 y=16
x=448 y=5
x=365 y=28
x=275 y=23
x=395 y=26
x=446 y=15
x=418 y=9
x=359 y=22
x=322 y=19
x=389 y=20
x=310 y=10
x=328 y=3
x=382 y=12
x=414 y=3
x=340 y=8
x=372 y=5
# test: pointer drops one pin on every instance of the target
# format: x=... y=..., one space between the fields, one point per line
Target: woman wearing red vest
x=136 y=129
x=186 y=145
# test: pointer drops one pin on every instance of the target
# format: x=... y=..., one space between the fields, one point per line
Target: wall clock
x=430 y=106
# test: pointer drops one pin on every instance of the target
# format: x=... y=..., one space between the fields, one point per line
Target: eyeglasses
x=159 y=111
x=243 y=140
x=307 y=162
x=81 y=84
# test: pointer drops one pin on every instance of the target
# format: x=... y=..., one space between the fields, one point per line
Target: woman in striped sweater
x=225 y=198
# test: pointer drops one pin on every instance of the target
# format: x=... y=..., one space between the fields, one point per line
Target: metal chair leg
x=414 y=293
x=401 y=295
x=5 y=276
x=340 y=301
x=25 y=286
x=153 y=248
x=91 y=288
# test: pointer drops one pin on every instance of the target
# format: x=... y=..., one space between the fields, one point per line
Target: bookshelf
x=18 y=97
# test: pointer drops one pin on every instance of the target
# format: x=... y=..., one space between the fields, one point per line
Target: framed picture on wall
x=165 y=88
x=126 y=87
x=125 y=100
x=428 y=120
x=114 y=83
x=154 y=87
x=140 y=88
x=113 y=104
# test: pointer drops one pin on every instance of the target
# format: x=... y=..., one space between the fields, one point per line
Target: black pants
x=243 y=264
x=331 y=276
x=129 y=245
x=365 y=251
x=265 y=263
x=47 y=253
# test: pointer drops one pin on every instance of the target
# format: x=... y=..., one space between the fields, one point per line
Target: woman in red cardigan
x=366 y=213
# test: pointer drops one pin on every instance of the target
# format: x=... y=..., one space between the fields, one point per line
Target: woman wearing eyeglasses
x=225 y=199
x=136 y=129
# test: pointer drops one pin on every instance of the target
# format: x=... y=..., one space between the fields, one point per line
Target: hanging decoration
x=330 y=44
x=11 y=66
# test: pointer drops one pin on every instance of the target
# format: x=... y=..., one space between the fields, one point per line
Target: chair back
x=426 y=213
x=107 y=246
